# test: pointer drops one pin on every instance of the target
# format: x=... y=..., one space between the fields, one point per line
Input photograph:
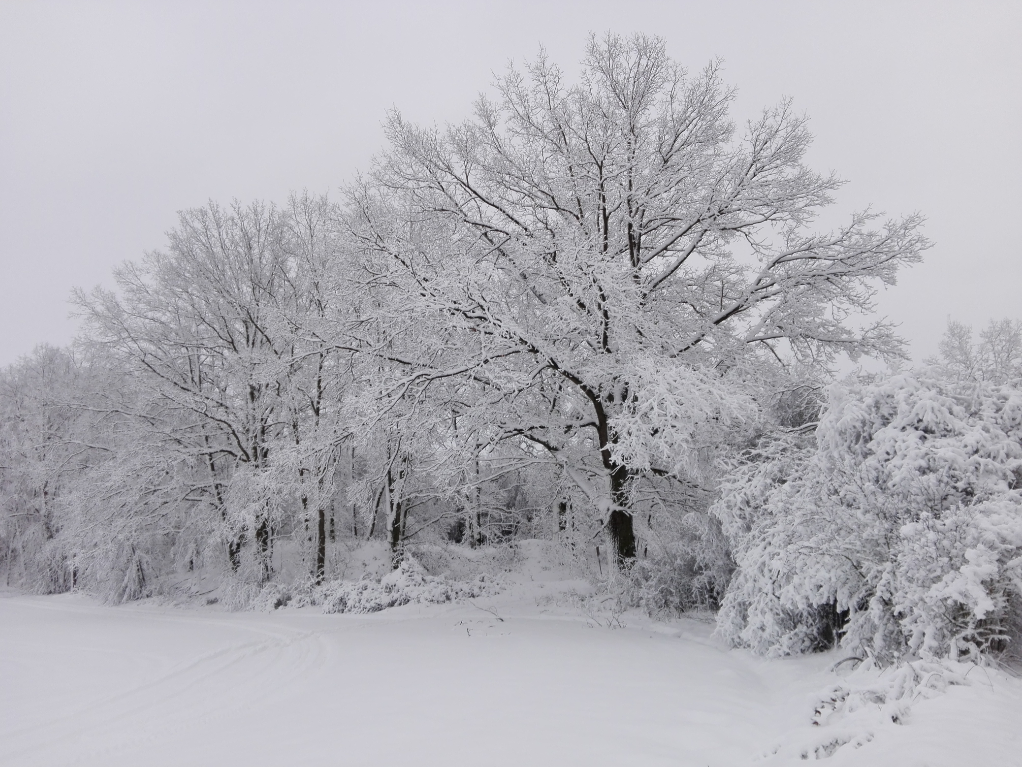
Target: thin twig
x=846 y=660
x=487 y=610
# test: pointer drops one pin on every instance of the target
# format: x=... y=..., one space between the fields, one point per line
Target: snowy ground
x=538 y=682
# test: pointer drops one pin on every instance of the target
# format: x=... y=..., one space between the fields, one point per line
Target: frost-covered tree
x=897 y=528
x=614 y=262
x=215 y=327
x=194 y=320
x=45 y=451
x=996 y=358
x=316 y=376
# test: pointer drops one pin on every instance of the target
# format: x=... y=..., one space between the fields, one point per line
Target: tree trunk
x=264 y=550
x=619 y=523
x=320 y=542
x=234 y=553
x=475 y=526
x=396 y=552
x=376 y=512
x=395 y=510
x=234 y=547
x=321 y=546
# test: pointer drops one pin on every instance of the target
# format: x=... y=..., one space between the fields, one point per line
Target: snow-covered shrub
x=246 y=594
x=688 y=570
x=273 y=596
x=409 y=583
x=239 y=594
x=127 y=576
x=847 y=714
x=47 y=568
x=902 y=521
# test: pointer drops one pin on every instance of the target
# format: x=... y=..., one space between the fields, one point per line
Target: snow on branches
x=571 y=230
x=898 y=530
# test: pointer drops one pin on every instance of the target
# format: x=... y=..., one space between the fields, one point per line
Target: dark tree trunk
x=475 y=514
x=234 y=547
x=396 y=552
x=619 y=523
x=321 y=546
x=396 y=511
x=234 y=554
x=376 y=511
x=475 y=529
x=320 y=542
x=264 y=550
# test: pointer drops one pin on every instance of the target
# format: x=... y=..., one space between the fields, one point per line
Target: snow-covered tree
x=215 y=326
x=897 y=528
x=316 y=376
x=614 y=263
x=45 y=451
x=997 y=358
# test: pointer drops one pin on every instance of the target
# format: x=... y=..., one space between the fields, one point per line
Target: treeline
x=592 y=312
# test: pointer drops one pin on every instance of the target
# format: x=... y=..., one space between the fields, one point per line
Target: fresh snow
x=514 y=678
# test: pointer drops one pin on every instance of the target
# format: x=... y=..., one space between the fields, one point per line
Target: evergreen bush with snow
x=897 y=531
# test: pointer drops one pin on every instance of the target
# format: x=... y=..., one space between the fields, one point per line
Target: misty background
x=113 y=116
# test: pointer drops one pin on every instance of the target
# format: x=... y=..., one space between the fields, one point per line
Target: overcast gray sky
x=113 y=116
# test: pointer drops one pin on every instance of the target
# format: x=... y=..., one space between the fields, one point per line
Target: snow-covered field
x=526 y=681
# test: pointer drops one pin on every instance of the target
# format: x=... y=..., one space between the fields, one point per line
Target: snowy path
x=141 y=685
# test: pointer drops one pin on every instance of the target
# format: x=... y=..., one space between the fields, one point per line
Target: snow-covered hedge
x=897 y=529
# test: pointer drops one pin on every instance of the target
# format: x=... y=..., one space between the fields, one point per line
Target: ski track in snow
x=85 y=684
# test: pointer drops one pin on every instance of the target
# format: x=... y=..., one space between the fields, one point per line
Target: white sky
x=113 y=116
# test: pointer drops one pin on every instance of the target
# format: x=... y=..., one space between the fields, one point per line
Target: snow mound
x=848 y=715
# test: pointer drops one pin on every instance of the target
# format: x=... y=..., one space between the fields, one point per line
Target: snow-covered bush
x=406 y=585
x=847 y=714
x=898 y=529
x=688 y=570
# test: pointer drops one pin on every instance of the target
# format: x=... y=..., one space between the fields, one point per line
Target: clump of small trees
x=560 y=318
